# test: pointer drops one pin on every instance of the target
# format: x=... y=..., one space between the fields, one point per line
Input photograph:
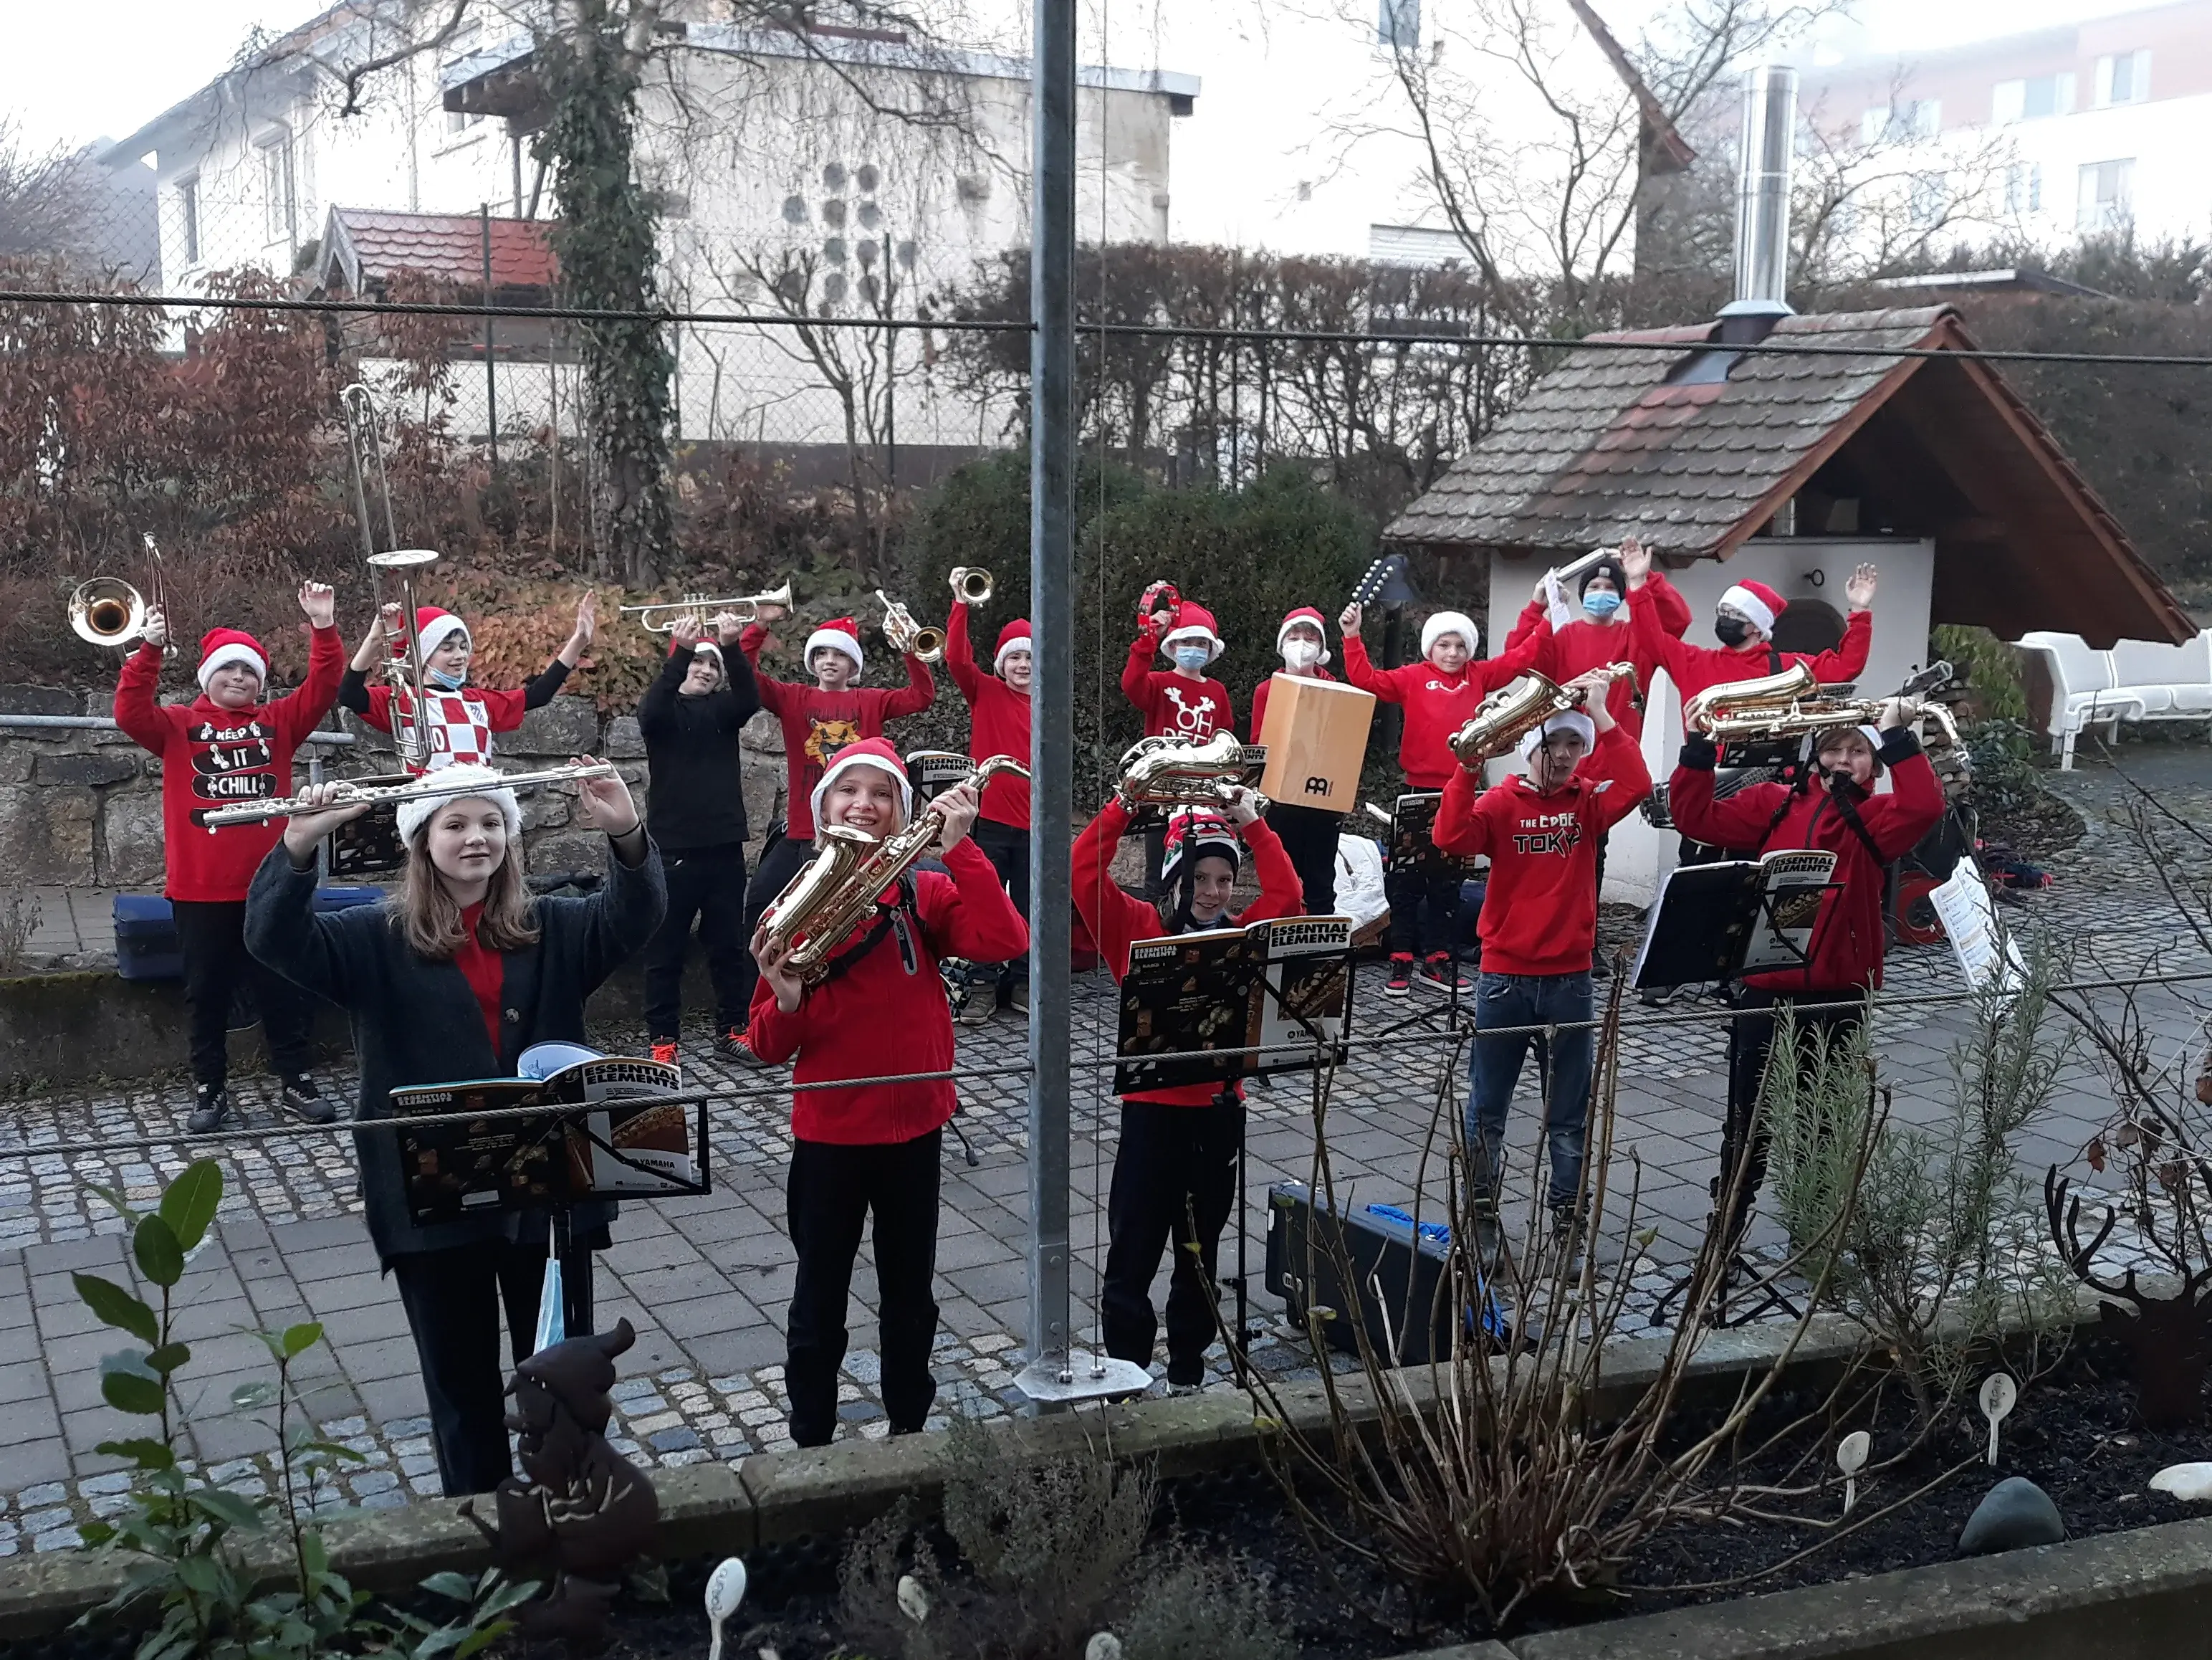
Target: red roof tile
x=363 y=248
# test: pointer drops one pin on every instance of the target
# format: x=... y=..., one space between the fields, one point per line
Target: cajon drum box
x=1316 y=740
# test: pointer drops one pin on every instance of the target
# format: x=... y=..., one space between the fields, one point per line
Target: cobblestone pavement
x=705 y=1280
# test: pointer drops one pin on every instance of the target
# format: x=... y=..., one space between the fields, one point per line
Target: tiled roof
x=1601 y=447
x=363 y=248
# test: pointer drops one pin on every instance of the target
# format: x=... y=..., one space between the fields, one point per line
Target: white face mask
x=1301 y=654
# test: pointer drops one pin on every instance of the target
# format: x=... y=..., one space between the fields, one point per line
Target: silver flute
x=345 y=793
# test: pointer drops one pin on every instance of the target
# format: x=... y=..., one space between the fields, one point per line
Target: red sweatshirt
x=1173 y=704
x=1844 y=953
x=1540 y=911
x=1693 y=668
x=998 y=722
x=1582 y=645
x=1118 y=921
x=212 y=757
x=817 y=723
x=1260 y=698
x=887 y=1014
x=1437 y=704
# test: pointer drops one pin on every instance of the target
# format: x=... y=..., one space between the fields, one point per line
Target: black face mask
x=1731 y=630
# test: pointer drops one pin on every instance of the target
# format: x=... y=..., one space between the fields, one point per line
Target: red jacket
x=1173 y=704
x=1437 y=704
x=1693 y=668
x=212 y=757
x=887 y=1014
x=998 y=723
x=1844 y=953
x=1540 y=910
x=1582 y=645
x=1260 y=698
x=1118 y=921
x=817 y=723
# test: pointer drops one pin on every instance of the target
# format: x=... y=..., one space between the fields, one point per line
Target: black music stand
x=1413 y=843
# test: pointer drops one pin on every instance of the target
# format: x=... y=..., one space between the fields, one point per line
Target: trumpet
x=346 y=793
x=1163 y=771
x=914 y=639
x=1511 y=713
x=838 y=888
x=697 y=607
x=1773 y=706
x=971 y=585
x=106 y=611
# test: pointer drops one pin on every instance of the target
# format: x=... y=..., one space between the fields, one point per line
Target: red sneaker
x=1402 y=974
x=665 y=1053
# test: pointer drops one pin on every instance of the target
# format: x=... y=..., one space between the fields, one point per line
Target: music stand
x=1413 y=845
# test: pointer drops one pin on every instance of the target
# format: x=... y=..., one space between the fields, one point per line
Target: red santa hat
x=839 y=634
x=1015 y=637
x=702 y=649
x=876 y=752
x=1193 y=622
x=1304 y=614
x=1192 y=834
x=434 y=627
x=1755 y=600
x=1450 y=622
x=221 y=647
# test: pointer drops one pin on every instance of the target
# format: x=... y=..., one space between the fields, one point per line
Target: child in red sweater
x=874 y=1147
x=1539 y=927
x=1308 y=834
x=462 y=717
x=1182 y=701
x=1743 y=623
x=818 y=721
x=1439 y=694
x=1174 y=1171
x=228 y=745
x=999 y=724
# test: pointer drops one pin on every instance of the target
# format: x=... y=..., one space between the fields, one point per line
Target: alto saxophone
x=1163 y=771
x=837 y=888
x=1775 y=705
x=1511 y=713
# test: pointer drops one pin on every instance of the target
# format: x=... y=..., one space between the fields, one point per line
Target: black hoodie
x=696 y=799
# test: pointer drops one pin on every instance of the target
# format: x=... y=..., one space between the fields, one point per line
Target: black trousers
x=1424 y=911
x=1175 y=1177
x=829 y=1194
x=1744 y=1134
x=1008 y=850
x=453 y=1300
x=708 y=884
x=780 y=860
x=212 y=935
x=1309 y=835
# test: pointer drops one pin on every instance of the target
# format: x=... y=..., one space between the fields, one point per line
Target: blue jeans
x=1494 y=1068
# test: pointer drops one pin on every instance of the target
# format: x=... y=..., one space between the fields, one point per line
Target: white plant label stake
x=726 y=1588
x=1999 y=1394
x=1850 y=1458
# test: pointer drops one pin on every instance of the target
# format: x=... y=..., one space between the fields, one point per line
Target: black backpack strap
x=1850 y=812
x=887 y=916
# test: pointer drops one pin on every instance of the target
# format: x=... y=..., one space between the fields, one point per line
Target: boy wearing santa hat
x=875 y=1147
x=1182 y=702
x=1540 y=829
x=461 y=717
x=1308 y=834
x=1743 y=623
x=818 y=721
x=1439 y=693
x=228 y=745
x=998 y=724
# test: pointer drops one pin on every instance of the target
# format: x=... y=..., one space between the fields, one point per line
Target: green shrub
x=1991 y=666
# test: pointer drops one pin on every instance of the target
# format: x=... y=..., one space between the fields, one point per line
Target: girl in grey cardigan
x=452 y=977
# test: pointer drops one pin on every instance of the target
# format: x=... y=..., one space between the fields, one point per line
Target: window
x=2024 y=187
x=279 y=214
x=2123 y=78
x=462 y=120
x=2107 y=188
x=188 y=215
x=2031 y=101
x=1398 y=24
x=1902 y=122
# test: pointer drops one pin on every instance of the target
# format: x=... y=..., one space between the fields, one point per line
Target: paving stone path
x=706 y=1280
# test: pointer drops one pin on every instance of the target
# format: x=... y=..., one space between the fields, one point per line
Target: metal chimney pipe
x=1762 y=213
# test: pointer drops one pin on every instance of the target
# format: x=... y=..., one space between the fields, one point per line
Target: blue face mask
x=1602 y=604
x=445 y=682
x=1191 y=658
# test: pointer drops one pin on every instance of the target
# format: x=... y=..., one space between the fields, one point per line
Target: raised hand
x=686 y=633
x=320 y=602
x=1348 y=618
x=1634 y=561
x=156 y=631
x=1859 y=591
x=1240 y=805
x=588 y=615
x=728 y=627
x=957 y=807
x=303 y=830
x=604 y=802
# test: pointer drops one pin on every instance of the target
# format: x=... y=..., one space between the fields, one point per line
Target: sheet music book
x=1413 y=843
x=562 y=1156
x=1737 y=916
x=1229 y=991
x=1985 y=952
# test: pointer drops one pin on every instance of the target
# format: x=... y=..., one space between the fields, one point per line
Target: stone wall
x=84 y=808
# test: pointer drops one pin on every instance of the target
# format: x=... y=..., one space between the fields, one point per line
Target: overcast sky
x=70 y=77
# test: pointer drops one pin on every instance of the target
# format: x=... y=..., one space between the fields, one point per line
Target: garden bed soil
x=2074 y=1434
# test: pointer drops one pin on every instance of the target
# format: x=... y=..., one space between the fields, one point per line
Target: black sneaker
x=1437 y=972
x=731 y=1046
x=1402 y=974
x=303 y=1100
x=210 y=1106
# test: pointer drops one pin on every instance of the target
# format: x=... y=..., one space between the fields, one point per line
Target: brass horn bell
x=106 y=611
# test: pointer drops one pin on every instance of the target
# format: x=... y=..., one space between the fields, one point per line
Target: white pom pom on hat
x=414 y=814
